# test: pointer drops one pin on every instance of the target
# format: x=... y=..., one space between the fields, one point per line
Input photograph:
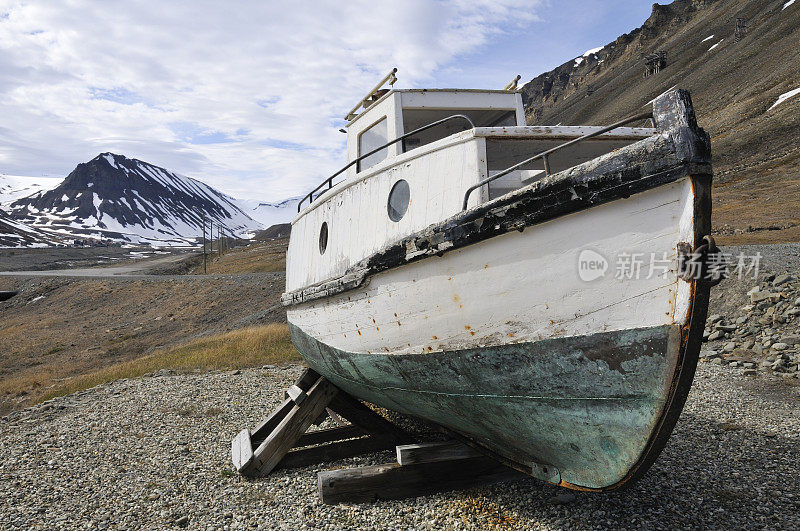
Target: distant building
x=654 y=62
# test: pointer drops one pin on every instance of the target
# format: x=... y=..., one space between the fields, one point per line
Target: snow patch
x=787 y=4
x=110 y=160
x=13 y=187
x=720 y=42
x=785 y=96
x=593 y=51
x=587 y=53
x=707 y=38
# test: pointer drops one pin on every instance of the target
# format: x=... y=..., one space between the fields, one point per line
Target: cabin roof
x=422 y=91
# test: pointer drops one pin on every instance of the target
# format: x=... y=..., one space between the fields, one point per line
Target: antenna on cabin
x=511 y=87
x=373 y=95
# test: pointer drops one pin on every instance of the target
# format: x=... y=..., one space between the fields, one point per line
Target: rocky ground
x=154 y=452
x=754 y=325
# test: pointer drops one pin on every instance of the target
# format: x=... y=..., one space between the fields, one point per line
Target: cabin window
x=399 y=198
x=416 y=118
x=372 y=138
x=323 y=237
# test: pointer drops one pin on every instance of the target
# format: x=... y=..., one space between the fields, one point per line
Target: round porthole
x=323 y=237
x=399 y=197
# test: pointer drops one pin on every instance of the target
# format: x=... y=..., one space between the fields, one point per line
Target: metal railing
x=543 y=155
x=329 y=180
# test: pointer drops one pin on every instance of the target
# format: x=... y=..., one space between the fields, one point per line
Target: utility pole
x=205 y=270
x=211 y=234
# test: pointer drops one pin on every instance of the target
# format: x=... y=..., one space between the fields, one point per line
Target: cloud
x=245 y=95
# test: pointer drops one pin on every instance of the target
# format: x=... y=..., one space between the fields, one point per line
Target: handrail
x=543 y=155
x=390 y=76
x=329 y=180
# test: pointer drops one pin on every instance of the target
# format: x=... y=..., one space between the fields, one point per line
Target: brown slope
x=756 y=150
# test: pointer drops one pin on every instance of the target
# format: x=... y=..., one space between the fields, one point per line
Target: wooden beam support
x=393 y=481
x=334 y=451
x=329 y=435
x=410 y=454
x=281 y=438
x=290 y=429
x=296 y=394
x=360 y=415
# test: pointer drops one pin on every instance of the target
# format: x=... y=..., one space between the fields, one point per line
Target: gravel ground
x=154 y=452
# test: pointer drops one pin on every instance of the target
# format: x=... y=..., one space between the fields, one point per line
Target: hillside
x=16 y=234
x=113 y=197
x=734 y=86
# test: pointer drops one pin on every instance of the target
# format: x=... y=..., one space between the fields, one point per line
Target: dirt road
x=132 y=269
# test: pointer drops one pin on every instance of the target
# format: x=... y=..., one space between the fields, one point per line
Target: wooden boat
x=442 y=277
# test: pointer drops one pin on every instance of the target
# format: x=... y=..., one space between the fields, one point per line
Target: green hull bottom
x=579 y=411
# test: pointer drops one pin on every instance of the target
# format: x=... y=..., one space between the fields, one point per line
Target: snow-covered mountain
x=14 y=187
x=16 y=234
x=269 y=214
x=116 y=198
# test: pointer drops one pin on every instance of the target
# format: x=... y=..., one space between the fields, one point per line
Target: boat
x=460 y=269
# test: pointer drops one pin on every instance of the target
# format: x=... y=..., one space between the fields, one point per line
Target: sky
x=248 y=96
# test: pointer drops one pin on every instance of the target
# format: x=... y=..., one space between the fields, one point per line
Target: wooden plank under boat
x=471 y=312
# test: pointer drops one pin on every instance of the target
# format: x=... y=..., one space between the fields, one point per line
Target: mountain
x=269 y=214
x=14 y=187
x=274 y=232
x=113 y=197
x=16 y=234
x=735 y=85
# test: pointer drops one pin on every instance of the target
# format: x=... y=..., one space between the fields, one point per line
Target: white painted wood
x=461 y=99
x=437 y=173
x=518 y=287
x=564 y=132
x=241 y=450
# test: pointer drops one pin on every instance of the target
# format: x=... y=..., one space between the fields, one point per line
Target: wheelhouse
x=419 y=156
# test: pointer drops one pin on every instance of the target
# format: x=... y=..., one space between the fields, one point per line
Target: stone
x=759 y=296
x=781 y=280
x=791 y=340
x=748 y=365
x=718 y=361
x=706 y=333
x=730 y=347
x=741 y=320
x=797 y=302
x=725 y=328
x=747 y=345
x=733 y=364
x=780 y=346
x=715 y=335
x=749 y=372
x=709 y=354
x=716 y=317
x=747 y=308
x=183 y=521
x=562 y=498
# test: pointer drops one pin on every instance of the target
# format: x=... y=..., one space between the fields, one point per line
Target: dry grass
x=248 y=347
x=266 y=257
